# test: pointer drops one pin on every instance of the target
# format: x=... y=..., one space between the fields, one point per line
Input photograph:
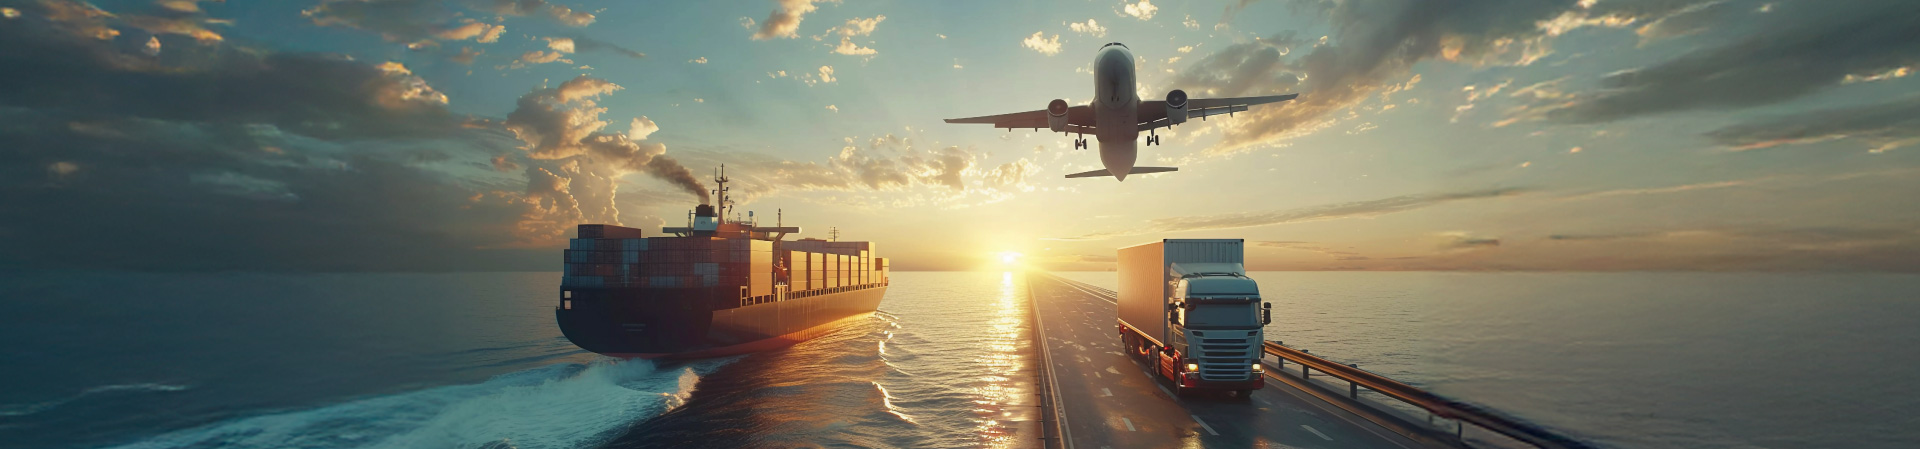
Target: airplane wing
x=1079 y=120
x=1153 y=114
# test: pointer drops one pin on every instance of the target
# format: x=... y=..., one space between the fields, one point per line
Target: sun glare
x=1009 y=257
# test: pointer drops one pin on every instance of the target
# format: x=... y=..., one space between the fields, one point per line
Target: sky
x=464 y=135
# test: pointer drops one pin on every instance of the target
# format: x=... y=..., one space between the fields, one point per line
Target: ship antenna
x=833 y=234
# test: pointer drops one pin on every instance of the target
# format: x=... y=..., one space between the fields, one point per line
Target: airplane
x=1117 y=116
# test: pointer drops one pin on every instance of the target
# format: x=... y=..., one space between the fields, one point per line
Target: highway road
x=1111 y=402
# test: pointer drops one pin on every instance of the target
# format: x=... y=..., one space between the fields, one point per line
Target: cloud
x=466 y=55
x=883 y=164
x=231 y=196
x=699 y=60
x=316 y=95
x=1090 y=27
x=847 y=47
x=833 y=108
x=542 y=57
x=826 y=74
x=478 y=31
x=1883 y=248
x=1143 y=10
x=1356 y=209
x=583 y=44
x=1881 y=127
x=1336 y=254
x=414 y=22
x=1375 y=45
x=784 y=21
x=559 y=13
x=1040 y=43
x=562 y=125
x=1462 y=240
x=1805 y=47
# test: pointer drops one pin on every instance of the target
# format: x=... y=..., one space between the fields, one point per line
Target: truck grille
x=1225 y=359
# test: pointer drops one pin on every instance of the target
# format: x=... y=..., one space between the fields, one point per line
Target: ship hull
x=690 y=323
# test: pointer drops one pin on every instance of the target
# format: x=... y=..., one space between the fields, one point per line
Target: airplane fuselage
x=1116 y=106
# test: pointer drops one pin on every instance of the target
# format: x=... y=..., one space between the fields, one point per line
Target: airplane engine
x=1177 y=106
x=1057 y=115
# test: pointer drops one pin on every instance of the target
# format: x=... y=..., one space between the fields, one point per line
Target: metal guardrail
x=1482 y=417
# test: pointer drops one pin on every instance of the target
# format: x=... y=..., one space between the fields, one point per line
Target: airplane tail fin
x=1091 y=174
x=1145 y=170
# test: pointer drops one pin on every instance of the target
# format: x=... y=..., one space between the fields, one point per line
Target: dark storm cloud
x=1797 y=48
x=1355 y=209
x=55 y=64
x=1882 y=126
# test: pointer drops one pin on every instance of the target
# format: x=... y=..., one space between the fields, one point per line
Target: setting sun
x=1009 y=257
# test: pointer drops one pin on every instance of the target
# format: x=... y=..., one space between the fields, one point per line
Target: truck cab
x=1216 y=322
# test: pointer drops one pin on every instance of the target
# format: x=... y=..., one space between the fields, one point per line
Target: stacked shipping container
x=618 y=257
x=818 y=264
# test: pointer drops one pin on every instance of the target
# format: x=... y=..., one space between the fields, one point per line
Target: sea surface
x=236 y=360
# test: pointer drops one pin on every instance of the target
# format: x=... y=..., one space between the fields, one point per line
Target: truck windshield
x=1222 y=316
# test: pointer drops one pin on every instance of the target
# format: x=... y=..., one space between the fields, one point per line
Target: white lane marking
x=1111 y=370
x=1103 y=390
x=1096 y=375
x=1203 y=425
x=1263 y=401
x=1163 y=389
x=1316 y=432
x=1129 y=424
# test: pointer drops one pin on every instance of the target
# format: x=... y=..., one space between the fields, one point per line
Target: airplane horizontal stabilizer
x=1091 y=174
x=1145 y=170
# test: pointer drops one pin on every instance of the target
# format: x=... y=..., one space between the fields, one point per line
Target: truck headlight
x=1193 y=367
x=1258 y=368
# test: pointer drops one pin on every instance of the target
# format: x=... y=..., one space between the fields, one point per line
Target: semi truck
x=1188 y=309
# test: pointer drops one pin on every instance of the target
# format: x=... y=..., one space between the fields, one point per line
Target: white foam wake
x=556 y=406
x=28 y=409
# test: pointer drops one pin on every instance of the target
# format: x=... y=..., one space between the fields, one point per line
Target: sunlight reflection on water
x=999 y=360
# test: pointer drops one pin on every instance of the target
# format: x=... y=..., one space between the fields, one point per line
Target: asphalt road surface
x=1111 y=402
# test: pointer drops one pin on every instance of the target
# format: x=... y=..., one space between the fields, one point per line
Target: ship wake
x=568 y=405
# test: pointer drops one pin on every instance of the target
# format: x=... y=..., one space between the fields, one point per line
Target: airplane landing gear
x=1153 y=140
x=1080 y=144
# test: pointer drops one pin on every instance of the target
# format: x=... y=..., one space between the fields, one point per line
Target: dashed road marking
x=1163 y=389
x=1130 y=424
x=1096 y=375
x=1203 y=425
x=1108 y=392
x=1111 y=370
x=1316 y=432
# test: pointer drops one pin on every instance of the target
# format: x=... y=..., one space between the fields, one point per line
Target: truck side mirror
x=1266 y=313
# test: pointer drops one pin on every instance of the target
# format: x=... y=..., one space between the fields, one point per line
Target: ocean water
x=1631 y=360
x=1654 y=360
x=475 y=361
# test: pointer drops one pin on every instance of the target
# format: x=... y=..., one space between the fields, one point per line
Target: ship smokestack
x=704 y=210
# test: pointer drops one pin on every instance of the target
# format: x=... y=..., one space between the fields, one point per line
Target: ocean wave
x=556 y=406
x=12 y=410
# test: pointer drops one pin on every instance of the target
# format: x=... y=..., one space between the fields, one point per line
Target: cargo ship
x=715 y=287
